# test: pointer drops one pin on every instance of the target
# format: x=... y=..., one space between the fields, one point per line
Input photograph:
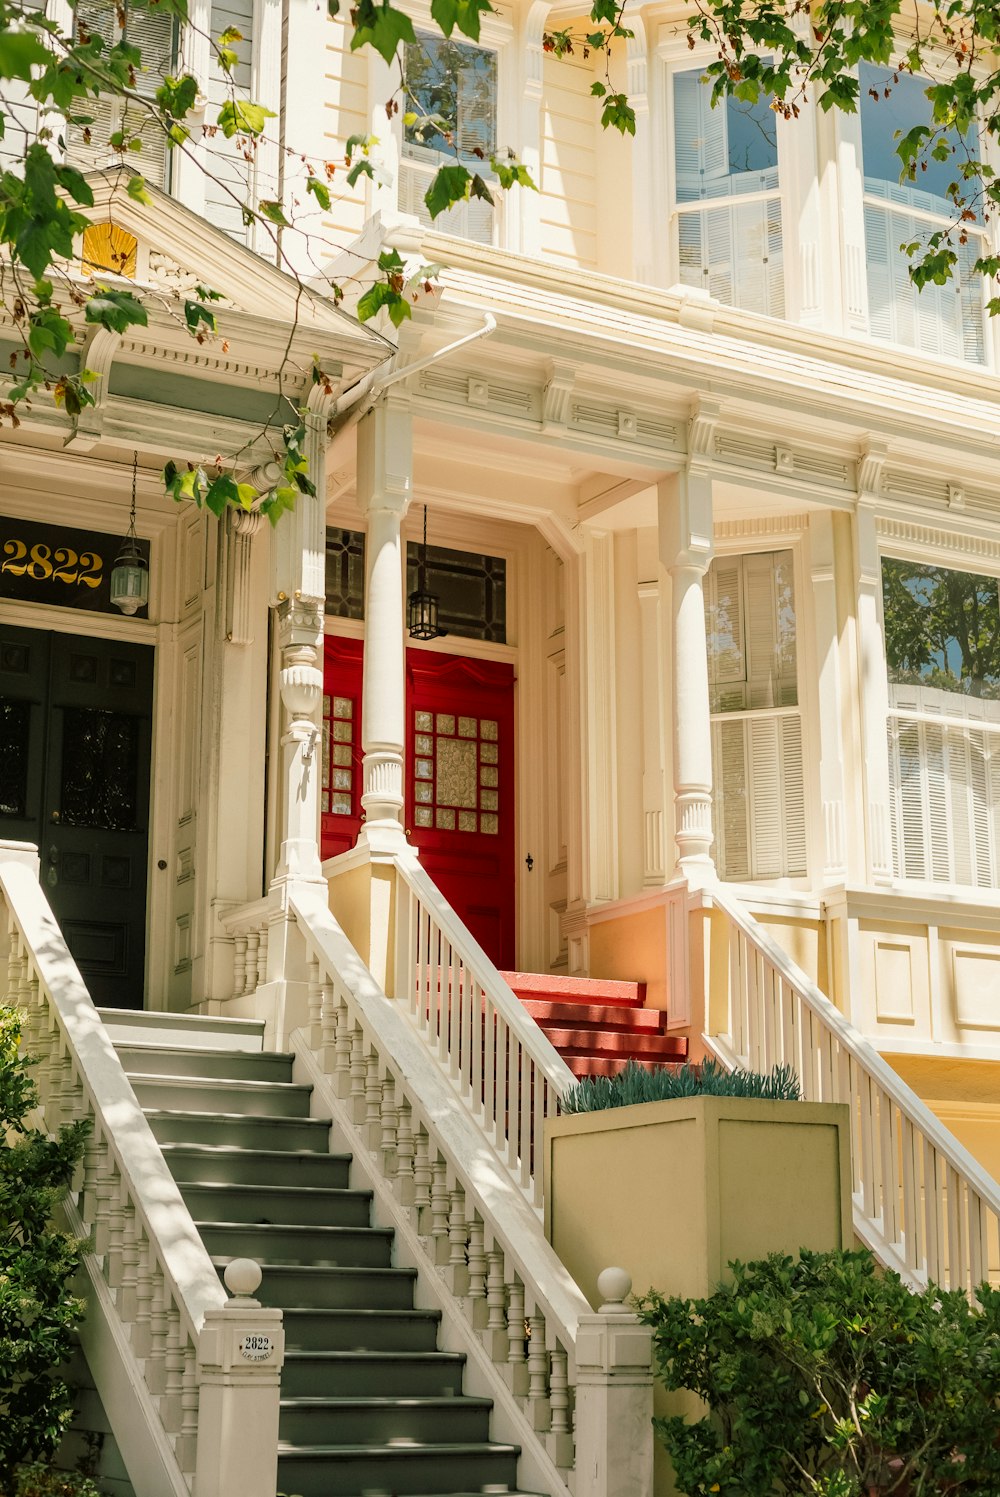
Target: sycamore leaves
x=395 y=288
x=218 y=490
x=606 y=20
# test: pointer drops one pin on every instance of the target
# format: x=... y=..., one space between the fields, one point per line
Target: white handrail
x=921 y=1200
x=118 y=1115
x=508 y=1075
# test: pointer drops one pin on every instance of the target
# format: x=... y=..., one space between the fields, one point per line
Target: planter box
x=674 y=1191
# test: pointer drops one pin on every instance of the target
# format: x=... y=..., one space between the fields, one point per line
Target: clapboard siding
x=228 y=168
x=568 y=208
x=345 y=113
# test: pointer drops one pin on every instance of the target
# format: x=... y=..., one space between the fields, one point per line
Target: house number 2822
x=44 y=564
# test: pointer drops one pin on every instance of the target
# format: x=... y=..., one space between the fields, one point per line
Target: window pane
x=453 y=90
x=725 y=151
x=942 y=630
x=902 y=103
x=750 y=623
x=472 y=590
x=345 y=573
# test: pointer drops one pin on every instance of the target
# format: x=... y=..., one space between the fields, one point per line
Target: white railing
x=152 y=1287
x=921 y=1202
x=507 y=1074
x=447 y=1174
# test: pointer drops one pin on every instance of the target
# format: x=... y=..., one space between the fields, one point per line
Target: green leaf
x=177 y=96
x=115 y=310
x=512 y=173
x=619 y=114
x=195 y=314
x=21 y=50
x=382 y=27
x=239 y=117
x=362 y=168
x=320 y=192
x=333 y=9
x=274 y=212
x=136 y=189
x=479 y=189
x=598 y=90
x=450 y=185
x=221 y=492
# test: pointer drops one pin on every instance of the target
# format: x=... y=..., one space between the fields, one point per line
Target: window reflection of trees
x=942 y=628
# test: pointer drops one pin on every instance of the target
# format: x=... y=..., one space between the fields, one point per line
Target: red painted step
x=598 y=1026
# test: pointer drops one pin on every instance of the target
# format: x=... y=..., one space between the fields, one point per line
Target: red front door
x=460 y=789
x=459 y=779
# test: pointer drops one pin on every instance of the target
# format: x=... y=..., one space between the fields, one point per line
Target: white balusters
x=262 y=956
x=538 y=1374
x=458 y=1237
x=239 y=965
x=314 y=998
x=389 y=1125
x=405 y=1149
x=373 y=1102
x=517 y=1370
x=477 y=1273
x=560 y=1441
x=440 y=1210
x=496 y=1337
x=422 y=1175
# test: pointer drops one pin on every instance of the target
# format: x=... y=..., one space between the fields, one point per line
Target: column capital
x=385 y=459
x=684 y=503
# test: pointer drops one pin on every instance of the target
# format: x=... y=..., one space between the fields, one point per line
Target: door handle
x=55 y=817
x=53 y=856
x=52 y=872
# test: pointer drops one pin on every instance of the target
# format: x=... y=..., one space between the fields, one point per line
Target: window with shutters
x=757 y=769
x=452 y=89
x=942 y=645
x=727 y=196
x=154 y=33
x=944 y=319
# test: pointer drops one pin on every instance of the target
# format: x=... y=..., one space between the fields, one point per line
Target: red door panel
x=460 y=788
x=459 y=784
x=340 y=796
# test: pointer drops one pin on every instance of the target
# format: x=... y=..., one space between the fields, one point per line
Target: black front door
x=75 y=730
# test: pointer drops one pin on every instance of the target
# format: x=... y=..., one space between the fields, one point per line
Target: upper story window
x=453 y=94
x=727 y=196
x=154 y=33
x=942 y=635
x=938 y=319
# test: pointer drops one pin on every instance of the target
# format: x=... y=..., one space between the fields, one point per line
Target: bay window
x=452 y=112
x=944 y=319
x=727 y=197
x=942 y=645
x=757 y=770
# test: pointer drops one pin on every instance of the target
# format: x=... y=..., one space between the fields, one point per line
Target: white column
x=874 y=694
x=385 y=479
x=653 y=745
x=299 y=591
x=598 y=687
x=685 y=521
x=822 y=572
x=523 y=205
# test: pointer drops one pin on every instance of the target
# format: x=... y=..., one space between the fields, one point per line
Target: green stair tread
x=333 y=1193
x=283 y=1228
x=392 y=1401
x=404 y=1452
x=367 y=1354
x=234 y=1117
x=221 y=1260
x=216 y=1151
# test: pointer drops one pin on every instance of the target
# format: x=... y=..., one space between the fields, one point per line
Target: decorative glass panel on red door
x=460 y=789
x=340 y=792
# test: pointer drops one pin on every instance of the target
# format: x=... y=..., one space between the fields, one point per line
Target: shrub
x=38 y=1311
x=40 y=1480
x=826 y=1375
x=707 y=1079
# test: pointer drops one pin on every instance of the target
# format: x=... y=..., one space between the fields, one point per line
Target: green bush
x=706 y=1079
x=38 y=1311
x=40 y=1480
x=828 y=1376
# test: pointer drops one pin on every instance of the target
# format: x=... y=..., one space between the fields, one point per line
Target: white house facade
x=697 y=493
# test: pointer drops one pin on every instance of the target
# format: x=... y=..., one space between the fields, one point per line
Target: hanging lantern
x=421 y=605
x=130 y=573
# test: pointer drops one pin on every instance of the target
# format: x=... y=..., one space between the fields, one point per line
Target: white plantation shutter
x=731 y=807
x=945 y=783
x=726 y=656
x=153 y=33
x=21 y=118
x=701 y=143
x=474 y=129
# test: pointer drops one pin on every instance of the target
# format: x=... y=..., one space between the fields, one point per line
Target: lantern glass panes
x=130 y=573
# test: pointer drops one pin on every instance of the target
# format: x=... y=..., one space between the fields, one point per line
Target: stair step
x=605 y=1043
x=238 y=1130
x=202 y=1094
x=223 y=1164
x=404 y=1470
x=577 y=989
x=189 y=1061
x=203 y=1031
x=595 y=1016
x=323 y=1247
x=360 y=1374
x=604 y=1065
x=328 y=1331
x=297 y=1286
x=376 y=1421
x=286 y=1205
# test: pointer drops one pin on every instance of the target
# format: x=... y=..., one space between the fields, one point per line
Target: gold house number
x=43 y=564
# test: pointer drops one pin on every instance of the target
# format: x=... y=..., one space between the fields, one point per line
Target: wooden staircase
x=598 y=1026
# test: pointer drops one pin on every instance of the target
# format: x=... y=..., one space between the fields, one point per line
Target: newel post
x=240 y=1353
x=614 y=1397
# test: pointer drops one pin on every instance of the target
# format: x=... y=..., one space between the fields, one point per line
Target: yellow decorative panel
x=456 y=772
x=893 y=982
x=109 y=250
x=976 y=977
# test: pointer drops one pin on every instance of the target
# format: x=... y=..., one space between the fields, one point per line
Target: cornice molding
x=910 y=533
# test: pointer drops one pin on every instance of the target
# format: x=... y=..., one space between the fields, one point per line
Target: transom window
x=942 y=645
x=944 y=319
x=727 y=196
x=759 y=799
x=451 y=114
x=471 y=589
